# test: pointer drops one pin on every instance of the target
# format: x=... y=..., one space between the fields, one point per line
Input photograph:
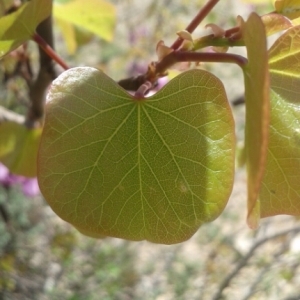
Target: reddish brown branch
x=7 y=115
x=47 y=72
x=174 y=57
x=196 y=21
x=49 y=51
x=181 y=56
x=232 y=31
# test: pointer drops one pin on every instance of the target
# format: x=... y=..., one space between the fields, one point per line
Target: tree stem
x=49 y=51
x=196 y=21
x=46 y=73
x=180 y=56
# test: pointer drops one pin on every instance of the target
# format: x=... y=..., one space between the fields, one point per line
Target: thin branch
x=47 y=73
x=211 y=40
x=178 y=56
x=49 y=50
x=159 y=69
x=196 y=21
x=231 y=31
x=253 y=288
x=243 y=262
x=8 y=115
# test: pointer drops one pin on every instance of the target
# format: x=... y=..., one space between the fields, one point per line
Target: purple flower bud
x=4 y=172
x=29 y=186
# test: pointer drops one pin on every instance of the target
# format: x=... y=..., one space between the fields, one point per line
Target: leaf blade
x=256 y=77
x=19 y=147
x=280 y=191
x=156 y=171
x=288 y=8
x=18 y=27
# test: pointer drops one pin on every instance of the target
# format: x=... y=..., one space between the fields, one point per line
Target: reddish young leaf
x=275 y=23
x=257 y=91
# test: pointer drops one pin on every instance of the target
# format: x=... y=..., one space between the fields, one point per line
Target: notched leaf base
x=139 y=170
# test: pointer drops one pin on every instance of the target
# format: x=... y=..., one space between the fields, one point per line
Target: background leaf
x=19 y=147
x=18 y=27
x=280 y=193
x=257 y=111
x=68 y=32
x=275 y=22
x=97 y=16
x=288 y=8
x=152 y=169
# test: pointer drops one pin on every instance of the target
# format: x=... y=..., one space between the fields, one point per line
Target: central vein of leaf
x=139 y=160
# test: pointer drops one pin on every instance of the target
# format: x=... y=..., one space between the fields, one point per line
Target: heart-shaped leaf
x=18 y=27
x=280 y=193
x=257 y=89
x=153 y=168
x=19 y=147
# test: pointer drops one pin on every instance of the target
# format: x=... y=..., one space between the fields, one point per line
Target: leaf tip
x=253 y=218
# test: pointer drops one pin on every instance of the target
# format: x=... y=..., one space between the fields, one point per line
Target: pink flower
x=29 y=186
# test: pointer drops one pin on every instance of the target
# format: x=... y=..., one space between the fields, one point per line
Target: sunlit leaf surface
x=288 y=8
x=280 y=192
x=18 y=27
x=18 y=148
x=275 y=22
x=153 y=169
x=257 y=111
x=68 y=32
x=97 y=16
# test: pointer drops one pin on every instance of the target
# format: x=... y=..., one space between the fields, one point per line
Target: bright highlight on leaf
x=19 y=147
x=288 y=8
x=153 y=169
x=257 y=111
x=280 y=193
x=275 y=23
x=18 y=27
x=97 y=16
x=69 y=34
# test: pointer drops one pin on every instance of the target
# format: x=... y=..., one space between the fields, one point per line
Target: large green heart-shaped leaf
x=280 y=193
x=19 y=147
x=257 y=89
x=18 y=27
x=153 y=168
